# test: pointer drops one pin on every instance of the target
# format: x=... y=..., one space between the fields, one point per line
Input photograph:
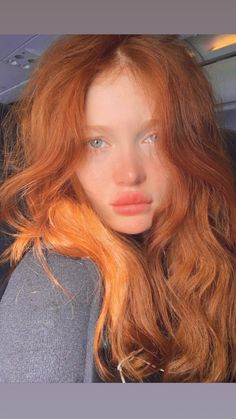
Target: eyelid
x=100 y=137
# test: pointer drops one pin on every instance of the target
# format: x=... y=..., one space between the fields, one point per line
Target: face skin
x=121 y=153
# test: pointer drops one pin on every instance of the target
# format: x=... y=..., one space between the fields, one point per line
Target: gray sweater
x=45 y=337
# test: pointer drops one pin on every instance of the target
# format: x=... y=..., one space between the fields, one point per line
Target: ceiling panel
x=18 y=53
x=11 y=75
x=222 y=75
x=40 y=43
x=9 y=43
x=203 y=44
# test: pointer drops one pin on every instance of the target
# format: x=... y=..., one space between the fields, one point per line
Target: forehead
x=118 y=98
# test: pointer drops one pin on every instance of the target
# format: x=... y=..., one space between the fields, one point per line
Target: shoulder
x=72 y=274
x=44 y=333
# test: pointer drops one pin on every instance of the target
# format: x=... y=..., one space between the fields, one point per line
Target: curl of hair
x=175 y=297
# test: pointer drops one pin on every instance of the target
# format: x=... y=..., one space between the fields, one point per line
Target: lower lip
x=131 y=209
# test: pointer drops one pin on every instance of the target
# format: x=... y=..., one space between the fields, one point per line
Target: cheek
x=95 y=170
x=87 y=179
x=93 y=180
x=159 y=180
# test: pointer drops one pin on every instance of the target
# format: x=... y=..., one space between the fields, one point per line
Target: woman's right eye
x=97 y=143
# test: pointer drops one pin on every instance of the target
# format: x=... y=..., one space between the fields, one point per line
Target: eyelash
x=89 y=142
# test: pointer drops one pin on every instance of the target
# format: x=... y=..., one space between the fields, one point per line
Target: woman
x=122 y=199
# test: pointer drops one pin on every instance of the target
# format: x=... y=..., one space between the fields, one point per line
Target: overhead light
x=223 y=41
x=13 y=62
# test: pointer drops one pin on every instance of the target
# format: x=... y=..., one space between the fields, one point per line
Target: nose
x=128 y=169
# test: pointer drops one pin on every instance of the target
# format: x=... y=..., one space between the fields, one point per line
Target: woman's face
x=122 y=172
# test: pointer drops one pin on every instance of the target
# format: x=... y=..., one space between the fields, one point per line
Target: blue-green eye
x=152 y=138
x=96 y=143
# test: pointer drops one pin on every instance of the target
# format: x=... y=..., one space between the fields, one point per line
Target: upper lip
x=132 y=198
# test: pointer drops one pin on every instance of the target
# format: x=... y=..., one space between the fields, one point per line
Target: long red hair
x=175 y=296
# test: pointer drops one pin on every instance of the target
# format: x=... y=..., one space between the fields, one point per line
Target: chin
x=131 y=227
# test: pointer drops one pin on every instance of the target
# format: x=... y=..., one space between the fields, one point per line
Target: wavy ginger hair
x=174 y=298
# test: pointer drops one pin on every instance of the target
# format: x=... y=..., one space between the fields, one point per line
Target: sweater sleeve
x=44 y=333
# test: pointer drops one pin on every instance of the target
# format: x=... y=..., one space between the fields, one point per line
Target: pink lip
x=131 y=209
x=131 y=198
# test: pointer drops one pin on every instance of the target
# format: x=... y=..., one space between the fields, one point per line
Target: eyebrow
x=146 y=125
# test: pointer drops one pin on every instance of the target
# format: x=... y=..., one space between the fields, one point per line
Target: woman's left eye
x=152 y=138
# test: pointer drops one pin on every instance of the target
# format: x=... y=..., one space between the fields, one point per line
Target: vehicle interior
x=216 y=55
